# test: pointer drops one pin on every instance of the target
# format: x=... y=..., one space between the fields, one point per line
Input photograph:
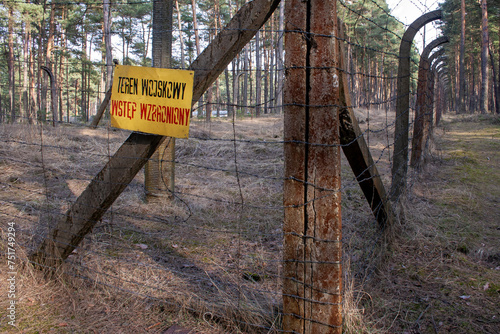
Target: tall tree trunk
x=483 y=101
x=32 y=94
x=181 y=40
x=281 y=28
x=26 y=52
x=20 y=75
x=107 y=44
x=235 y=97
x=101 y=89
x=472 y=101
x=229 y=89
x=124 y=59
x=210 y=91
x=41 y=77
x=496 y=88
x=48 y=55
x=62 y=63
x=83 y=97
x=268 y=66
x=245 y=80
x=228 y=94
x=10 y=64
x=198 y=49
x=257 y=75
x=250 y=86
x=88 y=77
x=461 y=91
x=268 y=77
x=209 y=94
x=1 y=110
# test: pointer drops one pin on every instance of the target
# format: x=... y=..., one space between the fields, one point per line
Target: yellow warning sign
x=152 y=100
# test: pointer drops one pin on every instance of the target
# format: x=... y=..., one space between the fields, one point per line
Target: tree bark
x=107 y=43
x=32 y=94
x=483 y=99
x=181 y=40
x=26 y=52
x=496 y=88
x=257 y=75
x=198 y=49
x=280 y=63
x=62 y=66
x=83 y=96
x=461 y=82
x=245 y=80
x=50 y=60
x=10 y=64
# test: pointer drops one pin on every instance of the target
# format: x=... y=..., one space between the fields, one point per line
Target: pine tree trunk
x=472 y=84
x=48 y=55
x=83 y=97
x=208 y=109
x=198 y=49
x=10 y=64
x=495 y=84
x=107 y=44
x=280 y=62
x=26 y=55
x=231 y=98
x=270 y=101
x=181 y=40
x=62 y=65
x=228 y=94
x=245 y=81
x=257 y=75
x=461 y=82
x=32 y=94
x=484 y=58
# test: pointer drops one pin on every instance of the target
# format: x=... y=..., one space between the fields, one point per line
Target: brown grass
x=189 y=256
x=443 y=273
x=190 y=261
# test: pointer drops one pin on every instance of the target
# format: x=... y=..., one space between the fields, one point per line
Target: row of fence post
x=318 y=122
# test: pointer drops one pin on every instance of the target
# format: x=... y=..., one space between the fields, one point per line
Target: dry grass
x=189 y=256
x=209 y=263
x=443 y=273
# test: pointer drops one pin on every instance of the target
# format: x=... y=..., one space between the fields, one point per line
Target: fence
x=216 y=249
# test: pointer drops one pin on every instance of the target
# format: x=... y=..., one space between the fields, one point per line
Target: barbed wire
x=222 y=231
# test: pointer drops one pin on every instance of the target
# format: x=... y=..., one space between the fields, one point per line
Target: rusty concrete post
x=438 y=60
x=400 y=155
x=357 y=151
x=312 y=225
x=423 y=105
x=441 y=98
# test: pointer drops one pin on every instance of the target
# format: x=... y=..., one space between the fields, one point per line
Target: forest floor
x=442 y=274
x=147 y=266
